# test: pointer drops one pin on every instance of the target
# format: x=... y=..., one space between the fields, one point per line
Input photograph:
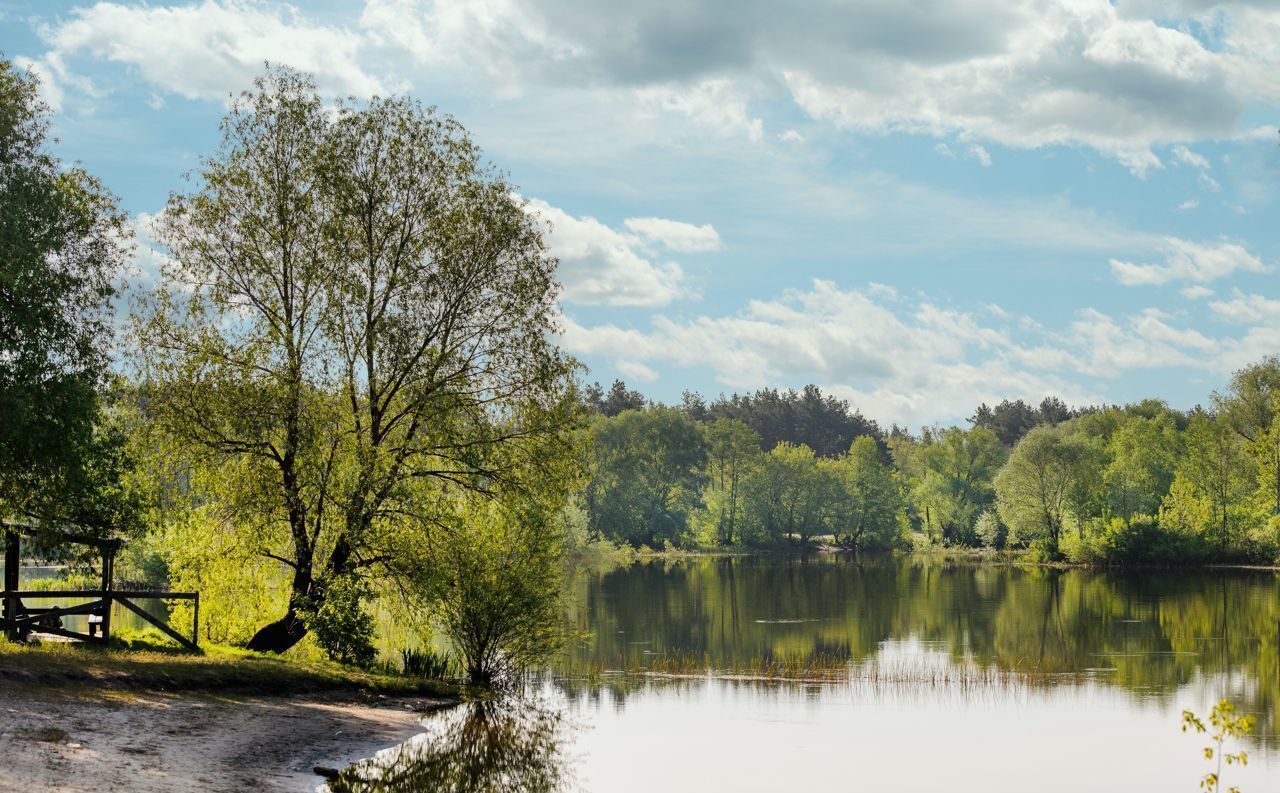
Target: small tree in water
x=496 y=580
x=1226 y=726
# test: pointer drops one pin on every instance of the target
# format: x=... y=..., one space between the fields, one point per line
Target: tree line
x=1103 y=484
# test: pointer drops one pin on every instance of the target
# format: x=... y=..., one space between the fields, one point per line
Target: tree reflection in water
x=513 y=744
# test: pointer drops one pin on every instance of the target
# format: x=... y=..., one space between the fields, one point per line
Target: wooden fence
x=20 y=620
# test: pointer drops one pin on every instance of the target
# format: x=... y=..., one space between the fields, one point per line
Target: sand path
x=70 y=742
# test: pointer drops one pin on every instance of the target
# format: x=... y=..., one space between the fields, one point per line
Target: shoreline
x=86 y=742
x=958 y=555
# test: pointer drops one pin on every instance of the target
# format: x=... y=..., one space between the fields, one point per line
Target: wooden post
x=195 y=622
x=12 y=558
x=108 y=573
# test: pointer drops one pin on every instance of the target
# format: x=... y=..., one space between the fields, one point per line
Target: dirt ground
x=57 y=741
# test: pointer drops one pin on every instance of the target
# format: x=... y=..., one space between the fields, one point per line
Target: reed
x=827 y=668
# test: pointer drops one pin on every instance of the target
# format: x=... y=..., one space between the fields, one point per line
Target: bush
x=341 y=625
x=1043 y=552
x=496 y=578
x=990 y=530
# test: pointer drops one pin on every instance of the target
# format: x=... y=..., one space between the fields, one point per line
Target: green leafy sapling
x=1226 y=726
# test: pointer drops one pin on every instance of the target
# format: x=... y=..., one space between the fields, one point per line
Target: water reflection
x=511 y=744
x=904 y=674
x=1149 y=632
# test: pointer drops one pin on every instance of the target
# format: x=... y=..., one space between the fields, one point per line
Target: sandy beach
x=70 y=741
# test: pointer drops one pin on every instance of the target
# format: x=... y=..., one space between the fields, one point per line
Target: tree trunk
x=284 y=633
x=278 y=636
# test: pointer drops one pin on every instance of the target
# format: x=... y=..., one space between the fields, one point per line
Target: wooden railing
x=19 y=619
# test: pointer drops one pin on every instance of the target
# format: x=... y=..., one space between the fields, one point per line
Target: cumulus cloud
x=208 y=49
x=1196 y=292
x=1189 y=261
x=673 y=234
x=1247 y=309
x=906 y=361
x=1026 y=74
x=634 y=370
x=603 y=265
x=716 y=105
x=1189 y=157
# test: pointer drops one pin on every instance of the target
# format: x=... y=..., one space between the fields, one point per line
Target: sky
x=918 y=205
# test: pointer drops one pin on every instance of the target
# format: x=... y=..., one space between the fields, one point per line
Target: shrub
x=1043 y=552
x=341 y=625
x=496 y=579
x=990 y=530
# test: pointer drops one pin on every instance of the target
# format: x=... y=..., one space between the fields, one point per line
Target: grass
x=833 y=668
x=220 y=670
x=45 y=734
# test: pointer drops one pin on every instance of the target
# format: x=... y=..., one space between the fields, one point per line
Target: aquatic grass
x=824 y=667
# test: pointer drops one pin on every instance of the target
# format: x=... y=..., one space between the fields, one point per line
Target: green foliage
x=1143 y=454
x=788 y=494
x=733 y=452
x=322 y=384
x=425 y=663
x=339 y=621
x=869 y=500
x=1044 y=483
x=495 y=577
x=953 y=473
x=823 y=423
x=63 y=239
x=1212 y=484
x=990 y=531
x=646 y=476
x=219 y=558
x=1226 y=726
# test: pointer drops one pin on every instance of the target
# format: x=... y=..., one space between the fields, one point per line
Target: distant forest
x=1132 y=483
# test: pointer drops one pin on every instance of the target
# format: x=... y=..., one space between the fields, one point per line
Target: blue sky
x=919 y=205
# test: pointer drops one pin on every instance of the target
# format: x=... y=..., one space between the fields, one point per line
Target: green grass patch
x=45 y=734
x=141 y=666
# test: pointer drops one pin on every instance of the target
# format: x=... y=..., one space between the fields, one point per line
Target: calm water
x=940 y=677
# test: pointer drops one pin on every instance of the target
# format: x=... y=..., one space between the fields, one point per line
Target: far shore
x=957 y=554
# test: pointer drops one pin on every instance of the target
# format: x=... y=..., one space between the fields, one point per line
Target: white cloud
x=981 y=155
x=944 y=150
x=603 y=265
x=1026 y=74
x=633 y=370
x=917 y=362
x=1189 y=204
x=209 y=49
x=1189 y=261
x=1248 y=309
x=1208 y=182
x=1196 y=292
x=1189 y=157
x=716 y=105
x=673 y=234
x=1062 y=73
x=149 y=258
x=791 y=136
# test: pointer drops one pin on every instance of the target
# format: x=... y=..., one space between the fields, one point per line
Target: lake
x=914 y=675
